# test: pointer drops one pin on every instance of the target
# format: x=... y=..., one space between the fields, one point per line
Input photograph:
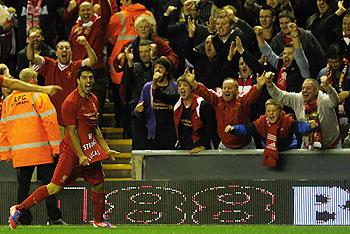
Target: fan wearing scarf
x=292 y=66
x=92 y=27
x=308 y=104
x=338 y=75
x=276 y=129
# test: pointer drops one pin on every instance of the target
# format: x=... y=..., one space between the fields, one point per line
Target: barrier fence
x=212 y=188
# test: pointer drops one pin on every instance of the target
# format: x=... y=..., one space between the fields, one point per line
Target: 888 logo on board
x=191 y=204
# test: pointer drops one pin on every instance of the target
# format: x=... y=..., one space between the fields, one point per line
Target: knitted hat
x=165 y=62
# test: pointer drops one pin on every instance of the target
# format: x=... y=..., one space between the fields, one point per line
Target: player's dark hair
x=84 y=69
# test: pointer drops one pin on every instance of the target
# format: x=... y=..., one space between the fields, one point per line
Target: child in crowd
x=276 y=129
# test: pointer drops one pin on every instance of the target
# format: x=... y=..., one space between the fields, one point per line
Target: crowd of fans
x=196 y=74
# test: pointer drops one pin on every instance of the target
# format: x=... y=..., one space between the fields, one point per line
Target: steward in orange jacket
x=30 y=136
x=29 y=133
x=121 y=30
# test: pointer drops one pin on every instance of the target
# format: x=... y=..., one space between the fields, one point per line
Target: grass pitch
x=180 y=229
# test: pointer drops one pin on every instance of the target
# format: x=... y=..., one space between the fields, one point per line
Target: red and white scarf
x=244 y=85
x=343 y=73
x=85 y=28
x=331 y=77
x=311 y=114
x=270 y=132
x=282 y=78
x=33 y=13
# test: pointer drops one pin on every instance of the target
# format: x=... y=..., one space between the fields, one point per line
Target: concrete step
x=118 y=161
x=108 y=179
x=118 y=179
x=125 y=155
x=122 y=145
x=116 y=166
x=117 y=170
x=109 y=107
x=108 y=120
x=112 y=133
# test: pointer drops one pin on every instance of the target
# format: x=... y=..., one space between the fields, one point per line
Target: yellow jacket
x=29 y=132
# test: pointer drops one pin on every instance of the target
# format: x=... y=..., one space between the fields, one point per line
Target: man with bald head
x=81 y=152
x=28 y=75
x=33 y=112
x=14 y=84
x=229 y=108
x=93 y=28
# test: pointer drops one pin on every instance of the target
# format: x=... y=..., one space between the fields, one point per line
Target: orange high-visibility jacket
x=29 y=132
x=4 y=155
x=120 y=31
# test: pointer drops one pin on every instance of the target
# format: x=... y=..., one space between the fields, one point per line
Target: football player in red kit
x=81 y=151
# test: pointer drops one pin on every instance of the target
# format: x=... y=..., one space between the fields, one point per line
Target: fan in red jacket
x=193 y=119
x=230 y=109
x=276 y=129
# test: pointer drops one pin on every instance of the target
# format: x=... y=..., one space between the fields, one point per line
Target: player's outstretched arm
x=19 y=85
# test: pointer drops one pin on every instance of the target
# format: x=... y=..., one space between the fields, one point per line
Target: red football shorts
x=68 y=169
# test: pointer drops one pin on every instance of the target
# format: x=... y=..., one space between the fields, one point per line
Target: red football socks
x=37 y=196
x=98 y=201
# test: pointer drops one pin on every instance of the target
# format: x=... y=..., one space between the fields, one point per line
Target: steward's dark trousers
x=24 y=175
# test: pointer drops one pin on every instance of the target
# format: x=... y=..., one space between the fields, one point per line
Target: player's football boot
x=14 y=216
x=104 y=224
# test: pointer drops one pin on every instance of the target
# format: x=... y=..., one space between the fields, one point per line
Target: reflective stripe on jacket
x=4 y=152
x=29 y=132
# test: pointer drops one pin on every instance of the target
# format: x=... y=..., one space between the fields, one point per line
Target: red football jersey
x=62 y=75
x=94 y=34
x=82 y=112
